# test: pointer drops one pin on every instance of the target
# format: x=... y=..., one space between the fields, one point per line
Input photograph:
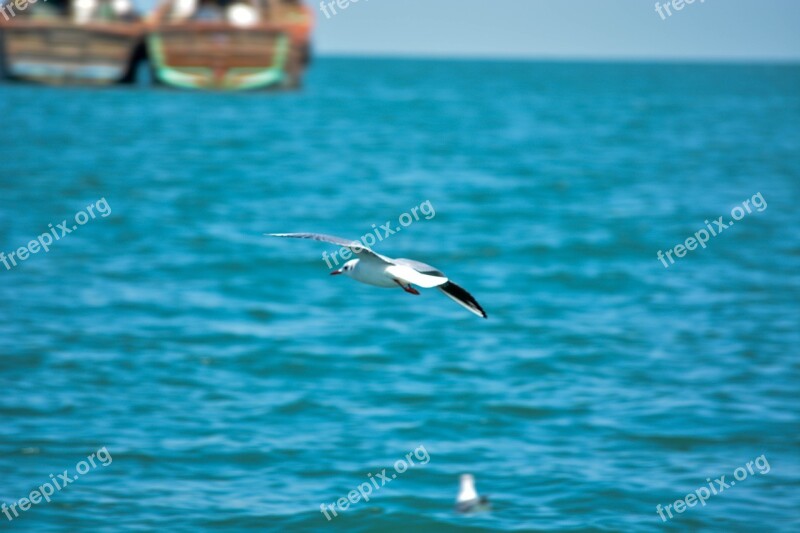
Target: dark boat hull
x=61 y=52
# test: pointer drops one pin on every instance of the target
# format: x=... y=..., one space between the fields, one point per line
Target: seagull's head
x=347 y=268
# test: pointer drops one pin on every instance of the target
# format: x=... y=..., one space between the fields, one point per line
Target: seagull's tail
x=462 y=298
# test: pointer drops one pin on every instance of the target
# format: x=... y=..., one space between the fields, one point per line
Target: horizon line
x=784 y=61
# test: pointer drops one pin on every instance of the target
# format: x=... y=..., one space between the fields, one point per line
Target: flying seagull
x=468 y=500
x=375 y=269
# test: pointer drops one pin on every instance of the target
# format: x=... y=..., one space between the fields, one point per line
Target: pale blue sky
x=710 y=29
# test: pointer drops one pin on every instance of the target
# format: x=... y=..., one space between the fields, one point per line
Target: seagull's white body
x=367 y=273
x=380 y=271
x=467 y=492
x=468 y=500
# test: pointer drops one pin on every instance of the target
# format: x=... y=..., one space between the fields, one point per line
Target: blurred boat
x=71 y=41
x=230 y=44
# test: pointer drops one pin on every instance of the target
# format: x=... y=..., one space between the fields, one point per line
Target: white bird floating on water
x=376 y=269
x=468 y=500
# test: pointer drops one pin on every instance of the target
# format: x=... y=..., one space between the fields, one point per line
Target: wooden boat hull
x=62 y=52
x=221 y=57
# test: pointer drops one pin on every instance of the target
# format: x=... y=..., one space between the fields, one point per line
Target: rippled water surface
x=238 y=387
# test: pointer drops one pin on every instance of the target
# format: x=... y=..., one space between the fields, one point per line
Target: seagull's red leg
x=409 y=289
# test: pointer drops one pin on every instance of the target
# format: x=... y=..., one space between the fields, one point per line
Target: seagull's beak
x=336 y=272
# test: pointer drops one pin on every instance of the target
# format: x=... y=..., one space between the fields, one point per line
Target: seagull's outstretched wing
x=436 y=278
x=362 y=251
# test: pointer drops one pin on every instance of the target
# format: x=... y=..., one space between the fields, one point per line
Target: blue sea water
x=237 y=386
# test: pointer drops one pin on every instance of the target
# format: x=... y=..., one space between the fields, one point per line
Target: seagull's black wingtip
x=463 y=298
